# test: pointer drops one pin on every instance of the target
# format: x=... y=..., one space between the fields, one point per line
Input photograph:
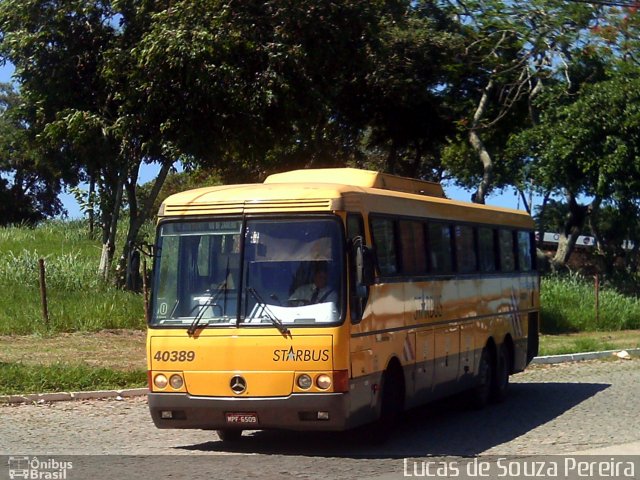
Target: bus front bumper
x=310 y=411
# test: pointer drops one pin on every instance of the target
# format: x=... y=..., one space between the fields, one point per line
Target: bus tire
x=391 y=405
x=500 y=385
x=482 y=391
x=229 y=434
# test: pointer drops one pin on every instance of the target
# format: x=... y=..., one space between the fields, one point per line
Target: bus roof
x=359 y=178
x=337 y=189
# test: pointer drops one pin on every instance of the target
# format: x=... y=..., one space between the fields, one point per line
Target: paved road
x=551 y=409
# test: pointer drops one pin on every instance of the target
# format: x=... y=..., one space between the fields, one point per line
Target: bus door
x=419 y=311
x=447 y=342
x=446 y=337
x=425 y=365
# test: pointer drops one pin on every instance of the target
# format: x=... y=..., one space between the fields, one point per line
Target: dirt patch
x=116 y=349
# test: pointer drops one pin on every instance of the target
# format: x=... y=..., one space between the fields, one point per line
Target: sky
x=508 y=198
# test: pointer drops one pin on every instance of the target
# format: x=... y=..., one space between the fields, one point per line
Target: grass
x=18 y=378
x=568 y=305
x=78 y=300
x=113 y=349
x=589 y=342
x=72 y=362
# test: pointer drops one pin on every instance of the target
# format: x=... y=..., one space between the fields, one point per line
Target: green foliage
x=568 y=305
x=577 y=345
x=559 y=344
x=29 y=187
x=408 y=108
x=512 y=50
x=588 y=142
x=553 y=216
x=17 y=378
x=278 y=85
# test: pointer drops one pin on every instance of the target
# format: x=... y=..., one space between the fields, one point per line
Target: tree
x=513 y=50
x=57 y=48
x=29 y=186
x=407 y=109
x=586 y=144
x=281 y=85
x=72 y=62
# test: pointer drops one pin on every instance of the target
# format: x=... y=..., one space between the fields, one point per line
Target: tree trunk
x=573 y=226
x=392 y=158
x=109 y=247
x=129 y=263
x=631 y=257
x=480 y=148
x=92 y=195
x=543 y=207
x=543 y=259
x=525 y=202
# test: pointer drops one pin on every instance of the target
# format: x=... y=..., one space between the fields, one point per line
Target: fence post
x=597 y=293
x=43 y=293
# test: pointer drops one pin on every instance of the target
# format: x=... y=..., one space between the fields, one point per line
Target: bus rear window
x=507 y=257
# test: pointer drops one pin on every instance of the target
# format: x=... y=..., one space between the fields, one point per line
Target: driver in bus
x=319 y=291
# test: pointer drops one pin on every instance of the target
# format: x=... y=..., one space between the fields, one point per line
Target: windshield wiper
x=267 y=313
x=210 y=302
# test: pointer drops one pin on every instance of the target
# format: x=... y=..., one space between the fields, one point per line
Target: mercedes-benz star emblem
x=238 y=385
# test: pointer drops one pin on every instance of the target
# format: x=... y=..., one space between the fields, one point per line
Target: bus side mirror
x=362 y=277
x=364 y=269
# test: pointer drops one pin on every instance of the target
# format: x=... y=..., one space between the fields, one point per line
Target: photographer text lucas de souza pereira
x=545 y=467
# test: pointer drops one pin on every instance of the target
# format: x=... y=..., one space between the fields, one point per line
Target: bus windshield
x=286 y=271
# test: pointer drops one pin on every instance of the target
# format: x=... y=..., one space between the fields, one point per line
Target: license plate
x=242 y=418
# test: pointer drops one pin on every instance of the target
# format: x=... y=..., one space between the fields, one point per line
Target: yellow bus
x=332 y=298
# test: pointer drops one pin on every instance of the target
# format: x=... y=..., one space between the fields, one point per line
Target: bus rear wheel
x=229 y=435
x=482 y=391
x=500 y=385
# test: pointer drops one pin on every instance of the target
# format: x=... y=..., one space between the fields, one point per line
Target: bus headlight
x=323 y=381
x=176 y=382
x=304 y=381
x=160 y=381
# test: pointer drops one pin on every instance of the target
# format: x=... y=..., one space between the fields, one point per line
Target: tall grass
x=78 y=299
x=568 y=305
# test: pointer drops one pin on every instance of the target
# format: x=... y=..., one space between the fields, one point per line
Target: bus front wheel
x=229 y=435
x=391 y=406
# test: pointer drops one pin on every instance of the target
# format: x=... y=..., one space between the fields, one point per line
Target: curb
x=578 y=357
x=139 y=392
x=66 y=396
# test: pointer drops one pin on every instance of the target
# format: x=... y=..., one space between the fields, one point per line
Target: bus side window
x=412 y=247
x=524 y=251
x=534 y=252
x=487 y=249
x=507 y=257
x=385 y=244
x=440 y=251
x=466 y=259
